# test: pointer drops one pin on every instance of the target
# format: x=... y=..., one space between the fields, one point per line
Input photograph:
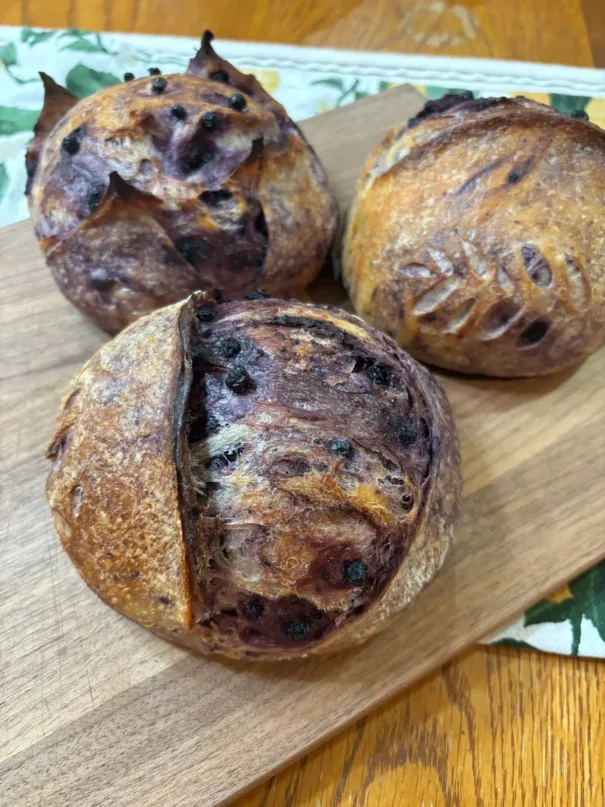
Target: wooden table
x=497 y=726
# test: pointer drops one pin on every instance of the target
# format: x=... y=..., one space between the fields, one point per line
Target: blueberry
x=177 y=111
x=229 y=348
x=237 y=102
x=408 y=434
x=205 y=314
x=239 y=381
x=155 y=71
x=257 y=294
x=212 y=120
x=70 y=143
x=219 y=75
x=341 y=447
x=253 y=609
x=158 y=85
x=355 y=571
x=128 y=76
x=298 y=628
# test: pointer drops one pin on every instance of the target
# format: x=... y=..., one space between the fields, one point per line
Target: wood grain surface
x=512 y=716
x=84 y=691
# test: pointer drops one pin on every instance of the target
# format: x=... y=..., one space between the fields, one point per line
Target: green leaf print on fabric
x=568 y=103
x=3 y=181
x=31 y=37
x=80 y=42
x=13 y=119
x=351 y=93
x=8 y=54
x=587 y=601
x=83 y=81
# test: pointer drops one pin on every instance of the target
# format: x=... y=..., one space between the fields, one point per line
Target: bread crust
x=136 y=205
x=289 y=516
x=477 y=237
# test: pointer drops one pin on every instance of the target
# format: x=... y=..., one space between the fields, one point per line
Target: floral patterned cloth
x=307 y=81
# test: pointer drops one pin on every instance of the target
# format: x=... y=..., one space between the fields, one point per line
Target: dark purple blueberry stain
x=71 y=142
x=219 y=75
x=197 y=156
x=215 y=198
x=211 y=121
x=253 y=609
x=237 y=102
x=260 y=225
x=239 y=381
x=536 y=265
x=190 y=249
x=341 y=448
x=128 y=76
x=355 y=571
x=178 y=112
x=534 y=333
x=233 y=452
x=408 y=434
x=158 y=85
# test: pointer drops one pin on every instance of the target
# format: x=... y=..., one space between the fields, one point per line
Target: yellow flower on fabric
x=596 y=111
x=268 y=78
x=561 y=594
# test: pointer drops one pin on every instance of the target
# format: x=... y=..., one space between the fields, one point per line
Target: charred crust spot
x=212 y=120
x=215 y=198
x=534 y=333
x=229 y=348
x=253 y=609
x=341 y=447
x=298 y=628
x=237 y=102
x=257 y=294
x=355 y=571
x=128 y=76
x=536 y=265
x=154 y=71
x=219 y=75
x=158 y=85
x=205 y=314
x=580 y=114
x=100 y=279
x=409 y=434
x=164 y=599
x=71 y=142
x=239 y=381
x=178 y=112
x=94 y=200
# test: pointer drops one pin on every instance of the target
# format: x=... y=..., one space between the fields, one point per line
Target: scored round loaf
x=477 y=237
x=148 y=190
x=262 y=479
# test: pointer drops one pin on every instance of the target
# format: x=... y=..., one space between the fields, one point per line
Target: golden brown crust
x=312 y=467
x=113 y=488
x=477 y=237
x=229 y=192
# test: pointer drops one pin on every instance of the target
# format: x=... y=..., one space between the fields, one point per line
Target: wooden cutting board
x=94 y=710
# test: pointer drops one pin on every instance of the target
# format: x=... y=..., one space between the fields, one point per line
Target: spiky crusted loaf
x=477 y=238
x=261 y=479
x=151 y=189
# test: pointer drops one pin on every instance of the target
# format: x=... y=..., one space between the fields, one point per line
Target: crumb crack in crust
x=292 y=515
x=216 y=187
x=477 y=237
